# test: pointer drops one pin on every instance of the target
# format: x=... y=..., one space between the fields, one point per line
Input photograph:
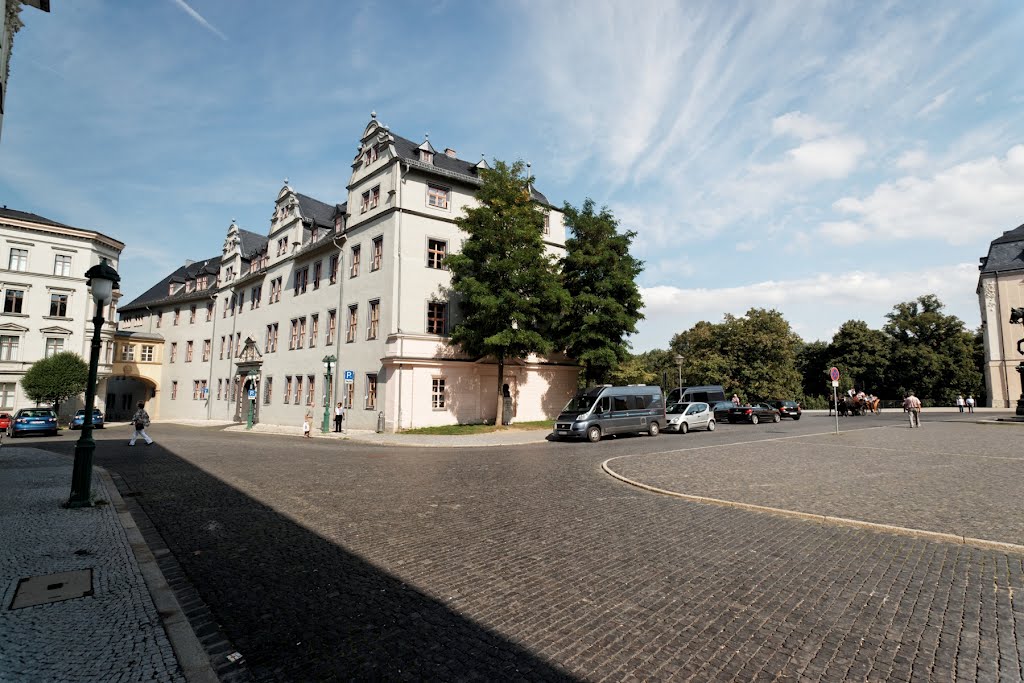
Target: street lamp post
x=679 y=365
x=251 y=376
x=328 y=362
x=102 y=279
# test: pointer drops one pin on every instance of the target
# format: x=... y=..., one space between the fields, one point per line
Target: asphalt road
x=320 y=560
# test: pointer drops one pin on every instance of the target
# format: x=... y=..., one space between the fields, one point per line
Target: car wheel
x=683 y=427
x=711 y=425
x=653 y=428
x=732 y=421
x=594 y=434
x=796 y=417
x=776 y=418
x=754 y=419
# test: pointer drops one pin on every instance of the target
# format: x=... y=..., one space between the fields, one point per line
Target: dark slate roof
x=467 y=170
x=252 y=243
x=35 y=218
x=157 y=294
x=316 y=211
x=1005 y=252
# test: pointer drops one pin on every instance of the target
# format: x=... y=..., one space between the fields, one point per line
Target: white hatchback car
x=682 y=417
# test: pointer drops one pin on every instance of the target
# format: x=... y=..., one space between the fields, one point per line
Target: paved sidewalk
x=119 y=630
x=510 y=437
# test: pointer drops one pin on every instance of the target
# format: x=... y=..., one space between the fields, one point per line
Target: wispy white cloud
x=911 y=159
x=801 y=125
x=199 y=19
x=935 y=104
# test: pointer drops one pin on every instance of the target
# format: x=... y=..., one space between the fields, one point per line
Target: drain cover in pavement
x=40 y=590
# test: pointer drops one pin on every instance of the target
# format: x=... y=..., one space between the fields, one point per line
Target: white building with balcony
x=362 y=281
x=46 y=303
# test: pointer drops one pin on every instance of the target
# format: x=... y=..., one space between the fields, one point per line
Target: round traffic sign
x=833 y=373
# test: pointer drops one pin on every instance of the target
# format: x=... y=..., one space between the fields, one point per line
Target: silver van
x=598 y=411
x=705 y=393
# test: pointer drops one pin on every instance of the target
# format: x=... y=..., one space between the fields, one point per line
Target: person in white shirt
x=970 y=404
x=960 y=402
x=339 y=416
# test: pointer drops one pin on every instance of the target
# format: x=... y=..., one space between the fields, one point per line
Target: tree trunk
x=501 y=394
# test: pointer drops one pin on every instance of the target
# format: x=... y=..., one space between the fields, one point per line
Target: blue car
x=33 y=420
x=79 y=418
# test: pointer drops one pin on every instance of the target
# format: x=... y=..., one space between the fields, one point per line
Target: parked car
x=787 y=408
x=5 y=421
x=33 y=420
x=757 y=412
x=598 y=411
x=722 y=409
x=79 y=419
x=682 y=417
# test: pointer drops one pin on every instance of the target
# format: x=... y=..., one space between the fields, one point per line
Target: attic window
x=370 y=156
x=426 y=157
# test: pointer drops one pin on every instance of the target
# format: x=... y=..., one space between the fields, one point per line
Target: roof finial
x=426 y=135
x=373 y=115
x=286 y=181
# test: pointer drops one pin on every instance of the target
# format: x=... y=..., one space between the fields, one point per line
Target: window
x=275 y=290
x=436 y=251
x=298 y=389
x=226 y=303
x=302 y=331
x=437 y=196
x=268 y=389
x=371 y=392
x=310 y=389
x=59 y=305
x=188 y=352
x=354 y=270
x=13 y=300
x=7 y=395
x=195 y=390
x=177 y=315
x=174 y=391
x=147 y=353
x=333 y=269
x=223 y=341
x=201 y=282
x=317 y=270
x=229 y=275
x=314 y=329
x=287 y=388
x=206 y=350
x=238 y=344
x=19 y=259
x=62 y=265
x=108 y=353
x=209 y=311
x=370 y=156
x=378 y=253
x=350 y=393
x=234 y=304
x=332 y=323
x=220 y=386
x=375 y=197
x=293 y=340
x=363 y=207
x=353 y=323
x=374 y=320
x=9 y=347
x=254 y=297
x=54 y=345
x=301 y=280
x=159 y=319
x=437 y=393
x=127 y=352
x=437 y=317
x=271 y=344
x=282 y=246
x=192 y=314
x=547 y=222
x=174 y=352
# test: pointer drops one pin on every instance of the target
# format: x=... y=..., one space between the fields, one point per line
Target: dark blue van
x=598 y=411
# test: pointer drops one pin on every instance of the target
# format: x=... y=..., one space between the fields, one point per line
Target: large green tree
x=56 y=379
x=508 y=287
x=599 y=275
x=933 y=354
x=862 y=355
x=813 y=361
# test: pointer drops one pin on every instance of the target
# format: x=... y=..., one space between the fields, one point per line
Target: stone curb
x=191 y=656
x=981 y=543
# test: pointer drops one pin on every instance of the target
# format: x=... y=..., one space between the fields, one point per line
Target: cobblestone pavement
x=331 y=560
x=115 y=634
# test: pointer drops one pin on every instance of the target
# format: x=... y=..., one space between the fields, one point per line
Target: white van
x=598 y=411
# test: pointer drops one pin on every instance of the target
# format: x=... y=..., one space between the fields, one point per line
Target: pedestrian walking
x=970 y=404
x=339 y=416
x=960 y=403
x=912 y=404
x=140 y=420
x=307 y=423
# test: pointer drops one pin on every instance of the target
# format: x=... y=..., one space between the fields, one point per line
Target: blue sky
x=825 y=159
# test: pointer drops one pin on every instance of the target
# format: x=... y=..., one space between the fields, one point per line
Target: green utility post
x=328 y=362
x=252 y=401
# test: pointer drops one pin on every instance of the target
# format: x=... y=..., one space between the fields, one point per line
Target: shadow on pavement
x=297 y=606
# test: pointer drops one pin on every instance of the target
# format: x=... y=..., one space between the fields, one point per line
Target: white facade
x=47 y=306
x=386 y=297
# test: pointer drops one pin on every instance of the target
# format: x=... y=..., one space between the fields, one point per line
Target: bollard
x=380 y=422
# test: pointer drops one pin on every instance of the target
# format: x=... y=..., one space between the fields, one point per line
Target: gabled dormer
x=425 y=152
x=481 y=164
x=376 y=143
x=286 y=208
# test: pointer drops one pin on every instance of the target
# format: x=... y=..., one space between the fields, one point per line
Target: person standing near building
x=960 y=402
x=339 y=416
x=970 y=404
x=307 y=423
x=140 y=420
x=912 y=404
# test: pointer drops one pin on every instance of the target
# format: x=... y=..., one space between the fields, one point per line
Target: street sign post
x=350 y=376
x=833 y=373
x=252 y=394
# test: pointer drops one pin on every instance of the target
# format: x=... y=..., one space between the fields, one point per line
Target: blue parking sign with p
x=350 y=376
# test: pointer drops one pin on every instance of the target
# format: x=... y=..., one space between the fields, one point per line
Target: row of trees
x=758 y=355
x=515 y=299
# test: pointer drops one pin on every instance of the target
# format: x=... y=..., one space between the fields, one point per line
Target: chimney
x=449 y=152
x=188 y=262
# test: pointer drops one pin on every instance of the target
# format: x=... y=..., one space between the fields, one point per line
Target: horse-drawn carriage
x=855 y=405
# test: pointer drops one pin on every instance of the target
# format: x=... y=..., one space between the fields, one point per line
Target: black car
x=758 y=412
x=787 y=408
x=722 y=409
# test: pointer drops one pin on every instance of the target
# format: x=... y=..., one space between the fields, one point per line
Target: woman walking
x=140 y=420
